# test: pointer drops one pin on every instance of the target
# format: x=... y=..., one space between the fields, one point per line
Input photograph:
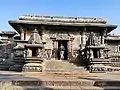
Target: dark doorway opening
x=34 y=51
x=95 y=53
x=65 y=44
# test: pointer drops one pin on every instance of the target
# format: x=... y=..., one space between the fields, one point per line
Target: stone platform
x=40 y=81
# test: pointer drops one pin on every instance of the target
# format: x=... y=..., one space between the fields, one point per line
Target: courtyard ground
x=39 y=81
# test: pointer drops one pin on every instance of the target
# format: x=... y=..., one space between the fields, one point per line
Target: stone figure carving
x=41 y=53
x=62 y=51
x=92 y=40
x=45 y=54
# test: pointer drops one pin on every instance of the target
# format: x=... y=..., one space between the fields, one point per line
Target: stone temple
x=53 y=44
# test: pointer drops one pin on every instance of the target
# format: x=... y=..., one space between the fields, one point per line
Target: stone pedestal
x=32 y=67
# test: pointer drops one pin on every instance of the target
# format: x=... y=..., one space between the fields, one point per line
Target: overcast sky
x=12 y=9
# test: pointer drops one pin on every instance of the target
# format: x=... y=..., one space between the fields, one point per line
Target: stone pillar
x=99 y=40
x=29 y=53
x=53 y=51
x=69 y=50
x=22 y=34
x=84 y=40
x=80 y=39
x=103 y=39
x=101 y=53
x=98 y=53
x=38 y=53
x=91 y=53
x=71 y=47
x=56 y=50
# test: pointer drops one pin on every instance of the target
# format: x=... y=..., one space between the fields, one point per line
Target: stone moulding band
x=63 y=19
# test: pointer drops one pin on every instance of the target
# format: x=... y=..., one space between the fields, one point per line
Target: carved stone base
x=17 y=68
x=32 y=67
x=97 y=68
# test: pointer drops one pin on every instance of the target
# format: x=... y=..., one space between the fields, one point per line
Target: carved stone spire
x=35 y=38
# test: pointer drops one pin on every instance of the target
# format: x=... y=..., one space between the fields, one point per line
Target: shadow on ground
x=20 y=82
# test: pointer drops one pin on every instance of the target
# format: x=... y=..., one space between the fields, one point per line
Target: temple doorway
x=34 y=52
x=64 y=45
x=96 y=53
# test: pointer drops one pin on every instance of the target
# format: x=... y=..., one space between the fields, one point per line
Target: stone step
x=53 y=88
x=59 y=66
x=53 y=82
x=107 y=83
x=42 y=88
x=111 y=87
x=91 y=88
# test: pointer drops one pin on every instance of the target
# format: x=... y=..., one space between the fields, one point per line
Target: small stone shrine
x=33 y=53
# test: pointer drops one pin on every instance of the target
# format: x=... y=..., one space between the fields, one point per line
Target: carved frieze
x=60 y=35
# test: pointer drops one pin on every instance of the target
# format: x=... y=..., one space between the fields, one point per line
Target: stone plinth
x=32 y=67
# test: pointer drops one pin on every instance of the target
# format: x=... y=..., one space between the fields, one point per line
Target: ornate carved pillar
x=80 y=39
x=22 y=34
x=98 y=53
x=84 y=40
x=39 y=50
x=53 y=51
x=70 y=48
x=84 y=37
x=103 y=39
x=29 y=53
x=56 y=49
x=91 y=53
x=104 y=35
x=99 y=40
x=101 y=53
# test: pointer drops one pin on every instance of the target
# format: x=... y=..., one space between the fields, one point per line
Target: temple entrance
x=62 y=47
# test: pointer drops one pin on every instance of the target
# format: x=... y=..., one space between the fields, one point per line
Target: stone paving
x=39 y=81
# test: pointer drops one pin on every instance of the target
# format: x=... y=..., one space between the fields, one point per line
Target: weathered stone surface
x=63 y=67
x=83 y=39
x=32 y=67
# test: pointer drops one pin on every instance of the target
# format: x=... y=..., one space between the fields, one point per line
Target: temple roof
x=7 y=33
x=60 y=21
x=112 y=38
